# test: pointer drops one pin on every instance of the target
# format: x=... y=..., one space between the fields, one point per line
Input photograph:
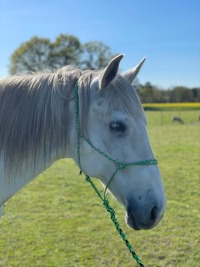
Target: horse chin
x=131 y=222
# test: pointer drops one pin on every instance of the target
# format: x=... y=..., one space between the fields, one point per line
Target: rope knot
x=121 y=166
x=109 y=208
x=105 y=202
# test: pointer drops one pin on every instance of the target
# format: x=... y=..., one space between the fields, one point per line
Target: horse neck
x=16 y=179
x=24 y=169
x=11 y=183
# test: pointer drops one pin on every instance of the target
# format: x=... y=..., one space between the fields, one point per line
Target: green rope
x=114 y=219
x=119 y=166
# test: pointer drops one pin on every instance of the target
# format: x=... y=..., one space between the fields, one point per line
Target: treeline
x=152 y=94
x=39 y=54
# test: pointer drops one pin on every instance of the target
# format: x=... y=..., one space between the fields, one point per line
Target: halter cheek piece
x=119 y=166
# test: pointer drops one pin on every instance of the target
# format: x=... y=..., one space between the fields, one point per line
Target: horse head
x=116 y=133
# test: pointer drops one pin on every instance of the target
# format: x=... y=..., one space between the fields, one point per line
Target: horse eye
x=117 y=126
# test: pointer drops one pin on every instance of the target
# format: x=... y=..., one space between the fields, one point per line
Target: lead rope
x=119 y=166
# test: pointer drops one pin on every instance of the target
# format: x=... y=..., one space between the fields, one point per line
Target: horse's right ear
x=110 y=72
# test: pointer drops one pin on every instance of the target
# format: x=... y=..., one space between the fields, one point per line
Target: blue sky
x=166 y=32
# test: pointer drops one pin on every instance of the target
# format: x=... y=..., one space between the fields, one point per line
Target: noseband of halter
x=119 y=165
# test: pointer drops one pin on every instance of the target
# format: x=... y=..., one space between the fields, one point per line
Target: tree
x=196 y=94
x=95 y=55
x=32 y=55
x=66 y=50
x=149 y=93
x=39 y=54
x=181 y=94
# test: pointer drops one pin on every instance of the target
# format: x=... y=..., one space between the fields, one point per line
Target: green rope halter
x=119 y=166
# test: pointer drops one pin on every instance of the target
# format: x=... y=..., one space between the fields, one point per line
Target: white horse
x=38 y=127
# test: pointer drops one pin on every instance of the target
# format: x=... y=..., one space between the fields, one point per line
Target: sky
x=167 y=33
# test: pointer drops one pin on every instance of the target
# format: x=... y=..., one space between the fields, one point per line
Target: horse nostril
x=154 y=213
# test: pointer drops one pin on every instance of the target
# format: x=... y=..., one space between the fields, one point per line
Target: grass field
x=58 y=221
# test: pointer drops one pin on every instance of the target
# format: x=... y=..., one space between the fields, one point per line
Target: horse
x=38 y=127
x=177 y=119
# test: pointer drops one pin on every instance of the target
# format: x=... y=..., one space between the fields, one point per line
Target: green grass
x=58 y=221
x=164 y=118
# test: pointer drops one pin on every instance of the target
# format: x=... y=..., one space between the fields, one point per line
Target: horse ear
x=132 y=73
x=109 y=72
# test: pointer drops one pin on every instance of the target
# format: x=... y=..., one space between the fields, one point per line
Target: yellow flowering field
x=170 y=106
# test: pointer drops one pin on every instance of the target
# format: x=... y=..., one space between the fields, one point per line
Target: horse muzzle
x=144 y=219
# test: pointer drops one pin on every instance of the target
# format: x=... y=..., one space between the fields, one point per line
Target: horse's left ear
x=132 y=73
x=110 y=72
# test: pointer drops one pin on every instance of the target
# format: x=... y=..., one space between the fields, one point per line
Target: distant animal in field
x=177 y=119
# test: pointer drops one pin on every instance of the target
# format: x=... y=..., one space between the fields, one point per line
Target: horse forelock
x=118 y=96
x=123 y=97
